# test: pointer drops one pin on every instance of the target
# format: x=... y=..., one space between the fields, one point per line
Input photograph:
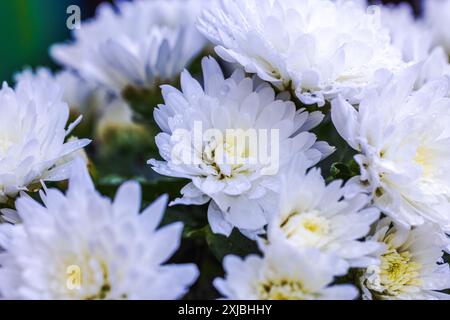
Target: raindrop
x=225 y=90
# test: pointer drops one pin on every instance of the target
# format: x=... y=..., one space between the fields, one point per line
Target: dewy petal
x=217 y=222
x=240 y=184
x=403 y=160
x=318 y=51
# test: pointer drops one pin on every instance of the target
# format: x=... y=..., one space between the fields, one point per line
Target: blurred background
x=29 y=27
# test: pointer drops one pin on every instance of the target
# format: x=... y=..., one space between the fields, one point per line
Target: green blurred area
x=29 y=27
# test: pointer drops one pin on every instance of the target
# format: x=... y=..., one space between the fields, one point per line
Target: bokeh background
x=29 y=27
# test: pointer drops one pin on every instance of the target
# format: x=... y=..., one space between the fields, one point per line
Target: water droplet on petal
x=225 y=90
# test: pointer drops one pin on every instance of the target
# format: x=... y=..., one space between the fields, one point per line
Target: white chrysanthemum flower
x=32 y=134
x=411 y=266
x=437 y=15
x=314 y=215
x=409 y=35
x=435 y=66
x=76 y=92
x=139 y=43
x=412 y=37
x=319 y=48
x=82 y=245
x=404 y=140
x=230 y=139
x=284 y=273
x=108 y=112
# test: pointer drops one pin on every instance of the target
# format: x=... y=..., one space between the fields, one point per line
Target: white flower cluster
x=319 y=49
x=241 y=183
x=116 y=253
x=140 y=44
x=253 y=147
x=33 y=130
x=129 y=45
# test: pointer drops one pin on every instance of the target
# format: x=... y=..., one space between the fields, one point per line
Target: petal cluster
x=249 y=137
x=78 y=94
x=411 y=36
x=232 y=173
x=284 y=273
x=411 y=266
x=317 y=48
x=403 y=139
x=81 y=245
x=137 y=44
x=437 y=15
x=312 y=214
x=33 y=130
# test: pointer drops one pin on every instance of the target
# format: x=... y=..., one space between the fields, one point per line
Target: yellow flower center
x=424 y=157
x=284 y=289
x=397 y=270
x=306 y=228
x=235 y=150
x=236 y=147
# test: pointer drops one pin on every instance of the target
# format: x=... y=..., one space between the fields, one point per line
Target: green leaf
x=340 y=171
x=143 y=101
x=151 y=188
x=343 y=171
x=236 y=244
x=194 y=219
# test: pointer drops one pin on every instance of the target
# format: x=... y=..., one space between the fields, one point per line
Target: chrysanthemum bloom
x=83 y=98
x=435 y=66
x=412 y=37
x=317 y=48
x=404 y=142
x=314 y=215
x=238 y=170
x=284 y=273
x=110 y=116
x=437 y=15
x=82 y=245
x=32 y=133
x=411 y=267
x=138 y=44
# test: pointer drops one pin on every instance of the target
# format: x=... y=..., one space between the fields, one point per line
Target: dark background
x=417 y=4
x=29 y=27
